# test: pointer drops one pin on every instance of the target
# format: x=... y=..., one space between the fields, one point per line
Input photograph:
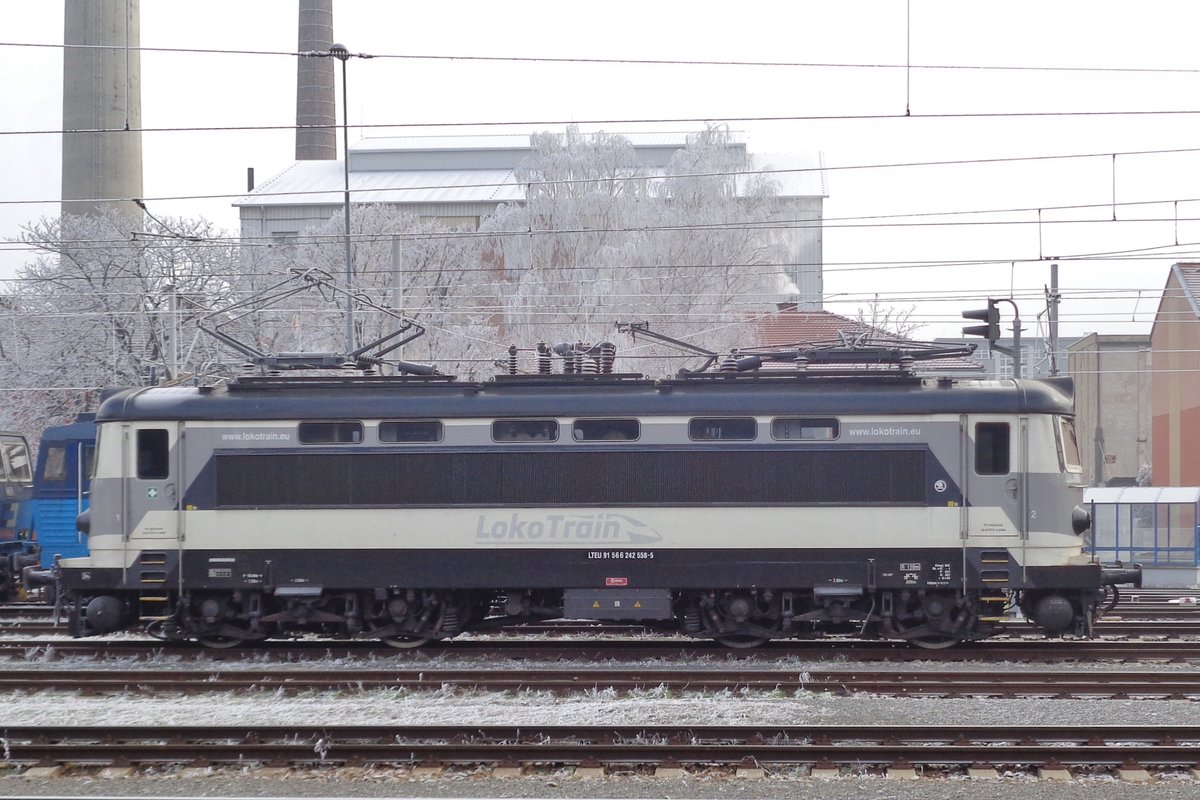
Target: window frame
x=694 y=422
x=440 y=430
x=1063 y=424
x=56 y=455
x=550 y=423
x=575 y=430
x=160 y=468
x=830 y=423
x=334 y=425
x=992 y=425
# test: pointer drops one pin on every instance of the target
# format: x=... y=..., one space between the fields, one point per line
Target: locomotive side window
x=89 y=461
x=331 y=432
x=410 y=431
x=16 y=459
x=709 y=428
x=791 y=429
x=525 y=430
x=593 y=430
x=1068 y=446
x=153 y=449
x=56 y=464
x=991 y=448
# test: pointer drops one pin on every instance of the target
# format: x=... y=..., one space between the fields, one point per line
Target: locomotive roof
x=83 y=428
x=583 y=396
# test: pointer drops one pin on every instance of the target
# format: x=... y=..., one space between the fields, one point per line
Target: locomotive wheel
x=935 y=641
x=742 y=641
x=216 y=642
x=405 y=642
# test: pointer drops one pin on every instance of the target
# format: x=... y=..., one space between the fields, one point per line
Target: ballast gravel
x=651 y=707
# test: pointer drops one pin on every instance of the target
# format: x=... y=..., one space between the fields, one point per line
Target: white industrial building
x=460 y=180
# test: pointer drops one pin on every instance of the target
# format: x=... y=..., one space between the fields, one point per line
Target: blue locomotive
x=16 y=487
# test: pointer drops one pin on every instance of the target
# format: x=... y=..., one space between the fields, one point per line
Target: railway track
x=819 y=748
x=1143 y=685
x=1031 y=650
x=1173 y=623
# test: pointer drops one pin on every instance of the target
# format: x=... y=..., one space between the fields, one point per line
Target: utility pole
x=1052 y=300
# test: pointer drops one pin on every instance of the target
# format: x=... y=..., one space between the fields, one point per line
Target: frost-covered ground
x=454 y=706
x=183 y=656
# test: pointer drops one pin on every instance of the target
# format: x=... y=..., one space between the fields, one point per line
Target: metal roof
x=1189 y=279
x=310 y=183
x=1111 y=495
x=507 y=141
x=384 y=398
x=431 y=169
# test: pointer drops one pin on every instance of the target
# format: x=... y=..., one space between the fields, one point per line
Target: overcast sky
x=1108 y=57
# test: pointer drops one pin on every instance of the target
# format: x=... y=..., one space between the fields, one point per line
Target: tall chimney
x=316 y=109
x=102 y=99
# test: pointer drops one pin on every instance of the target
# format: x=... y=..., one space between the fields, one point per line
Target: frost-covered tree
x=415 y=267
x=601 y=238
x=891 y=319
x=94 y=310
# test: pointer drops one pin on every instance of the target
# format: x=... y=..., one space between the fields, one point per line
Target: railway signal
x=990 y=330
x=990 y=316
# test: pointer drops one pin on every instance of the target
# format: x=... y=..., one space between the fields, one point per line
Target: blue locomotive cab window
x=525 y=430
x=55 y=469
x=410 y=431
x=702 y=429
x=331 y=432
x=89 y=461
x=598 y=430
x=15 y=465
x=991 y=448
x=803 y=429
x=153 y=451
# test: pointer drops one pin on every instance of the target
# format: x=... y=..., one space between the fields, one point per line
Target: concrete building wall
x=102 y=164
x=1175 y=345
x=1112 y=406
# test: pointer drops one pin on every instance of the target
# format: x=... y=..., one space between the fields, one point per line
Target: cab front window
x=1068 y=446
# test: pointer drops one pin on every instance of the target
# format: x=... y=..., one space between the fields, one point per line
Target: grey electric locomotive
x=735 y=507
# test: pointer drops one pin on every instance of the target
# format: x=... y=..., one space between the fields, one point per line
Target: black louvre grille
x=416 y=479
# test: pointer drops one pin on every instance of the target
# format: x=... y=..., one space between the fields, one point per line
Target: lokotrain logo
x=558 y=528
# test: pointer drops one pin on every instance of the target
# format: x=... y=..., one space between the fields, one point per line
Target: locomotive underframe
x=408 y=598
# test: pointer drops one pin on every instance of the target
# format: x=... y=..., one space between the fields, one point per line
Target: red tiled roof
x=793 y=327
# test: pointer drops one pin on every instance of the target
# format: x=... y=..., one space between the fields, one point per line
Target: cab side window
x=56 y=464
x=991 y=448
x=15 y=467
x=153 y=451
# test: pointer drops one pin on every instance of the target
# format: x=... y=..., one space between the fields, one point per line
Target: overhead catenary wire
x=648 y=61
x=693 y=119
x=261 y=193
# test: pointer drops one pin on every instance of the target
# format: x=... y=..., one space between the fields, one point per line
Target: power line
x=646 y=61
x=532 y=184
x=703 y=118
